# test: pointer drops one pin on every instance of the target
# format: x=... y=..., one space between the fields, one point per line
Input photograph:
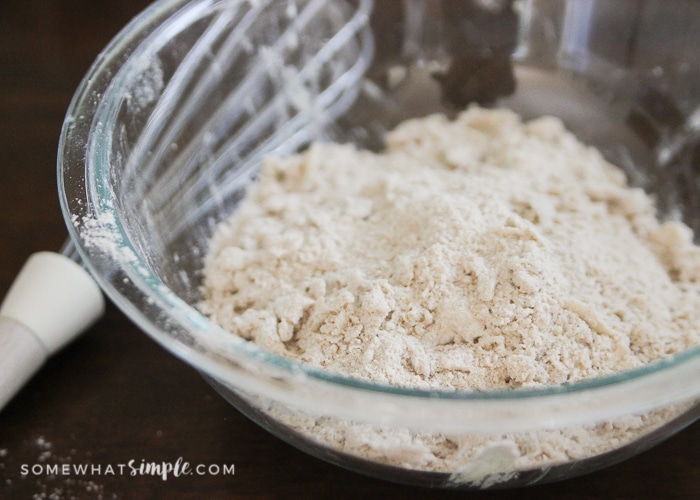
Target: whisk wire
x=285 y=97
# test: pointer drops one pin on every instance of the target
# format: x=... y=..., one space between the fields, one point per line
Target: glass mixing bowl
x=170 y=125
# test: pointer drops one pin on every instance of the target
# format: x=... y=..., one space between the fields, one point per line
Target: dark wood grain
x=113 y=395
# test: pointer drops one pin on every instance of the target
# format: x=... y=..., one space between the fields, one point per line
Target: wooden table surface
x=114 y=395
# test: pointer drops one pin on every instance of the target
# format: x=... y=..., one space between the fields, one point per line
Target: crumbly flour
x=474 y=254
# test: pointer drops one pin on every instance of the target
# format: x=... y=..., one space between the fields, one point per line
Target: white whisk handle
x=21 y=355
x=52 y=300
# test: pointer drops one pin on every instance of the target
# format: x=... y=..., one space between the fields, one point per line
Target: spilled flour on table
x=42 y=466
x=475 y=254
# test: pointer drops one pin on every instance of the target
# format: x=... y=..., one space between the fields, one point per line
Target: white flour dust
x=46 y=472
x=475 y=254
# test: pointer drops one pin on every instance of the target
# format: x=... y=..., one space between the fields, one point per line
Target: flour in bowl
x=474 y=254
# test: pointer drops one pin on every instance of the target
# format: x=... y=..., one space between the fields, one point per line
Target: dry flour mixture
x=477 y=253
x=472 y=254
